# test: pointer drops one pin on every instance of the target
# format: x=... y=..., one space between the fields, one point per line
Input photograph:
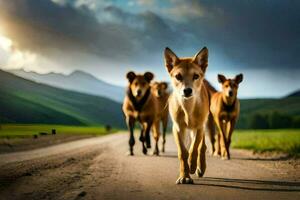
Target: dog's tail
x=210 y=89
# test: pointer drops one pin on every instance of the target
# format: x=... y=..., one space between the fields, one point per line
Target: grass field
x=20 y=131
x=281 y=140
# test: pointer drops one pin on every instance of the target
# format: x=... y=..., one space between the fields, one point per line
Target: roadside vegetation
x=281 y=140
x=278 y=140
x=24 y=131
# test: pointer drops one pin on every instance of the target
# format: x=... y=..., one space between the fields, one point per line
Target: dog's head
x=230 y=86
x=187 y=74
x=160 y=89
x=139 y=83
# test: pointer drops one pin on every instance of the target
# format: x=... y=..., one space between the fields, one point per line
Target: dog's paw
x=216 y=154
x=155 y=153
x=144 y=151
x=225 y=157
x=199 y=173
x=184 y=180
x=149 y=146
x=130 y=153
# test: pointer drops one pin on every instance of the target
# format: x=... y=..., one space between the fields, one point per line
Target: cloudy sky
x=107 y=38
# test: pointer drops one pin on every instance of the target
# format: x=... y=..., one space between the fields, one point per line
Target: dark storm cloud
x=258 y=34
x=147 y=30
x=51 y=30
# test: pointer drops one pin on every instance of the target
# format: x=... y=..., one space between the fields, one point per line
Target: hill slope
x=283 y=109
x=77 y=81
x=24 y=101
x=295 y=94
x=288 y=105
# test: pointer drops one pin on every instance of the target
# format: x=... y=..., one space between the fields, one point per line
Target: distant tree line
x=271 y=120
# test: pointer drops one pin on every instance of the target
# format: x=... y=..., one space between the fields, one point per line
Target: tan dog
x=160 y=91
x=189 y=109
x=140 y=105
x=225 y=108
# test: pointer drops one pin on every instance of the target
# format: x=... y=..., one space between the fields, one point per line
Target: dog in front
x=189 y=110
x=225 y=108
x=141 y=106
x=161 y=93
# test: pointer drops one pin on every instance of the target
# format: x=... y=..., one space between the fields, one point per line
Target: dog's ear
x=148 y=76
x=221 y=78
x=201 y=58
x=238 y=78
x=170 y=59
x=130 y=76
x=165 y=85
x=153 y=84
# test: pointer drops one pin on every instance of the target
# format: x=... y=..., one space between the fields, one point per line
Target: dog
x=140 y=105
x=160 y=91
x=225 y=108
x=189 y=110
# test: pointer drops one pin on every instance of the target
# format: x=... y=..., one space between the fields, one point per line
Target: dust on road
x=98 y=168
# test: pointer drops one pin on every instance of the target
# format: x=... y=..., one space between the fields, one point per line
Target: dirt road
x=98 y=168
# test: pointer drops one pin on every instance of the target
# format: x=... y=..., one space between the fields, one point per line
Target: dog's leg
x=147 y=134
x=146 y=143
x=142 y=139
x=211 y=132
x=130 y=124
x=230 y=129
x=193 y=152
x=201 y=162
x=217 y=145
x=156 y=135
x=222 y=132
x=184 y=176
x=165 y=124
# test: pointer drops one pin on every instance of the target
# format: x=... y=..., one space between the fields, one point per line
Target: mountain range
x=78 y=81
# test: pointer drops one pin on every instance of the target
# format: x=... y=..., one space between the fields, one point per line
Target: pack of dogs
x=194 y=106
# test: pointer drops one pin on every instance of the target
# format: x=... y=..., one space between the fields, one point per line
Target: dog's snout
x=230 y=93
x=159 y=93
x=187 y=92
x=139 y=92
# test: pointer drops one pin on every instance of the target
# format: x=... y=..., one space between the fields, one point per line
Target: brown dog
x=189 y=110
x=225 y=108
x=160 y=91
x=140 y=105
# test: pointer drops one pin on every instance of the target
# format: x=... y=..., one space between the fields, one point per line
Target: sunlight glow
x=5 y=43
x=17 y=58
x=21 y=59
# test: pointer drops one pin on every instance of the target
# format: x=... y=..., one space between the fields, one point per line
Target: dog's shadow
x=169 y=154
x=246 y=184
x=280 y=158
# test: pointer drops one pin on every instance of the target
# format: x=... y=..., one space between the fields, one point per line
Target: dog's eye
x=195 y=77
x=178 y=77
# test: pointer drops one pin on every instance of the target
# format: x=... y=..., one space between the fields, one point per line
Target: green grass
x=21 y=130
x=281 y=140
